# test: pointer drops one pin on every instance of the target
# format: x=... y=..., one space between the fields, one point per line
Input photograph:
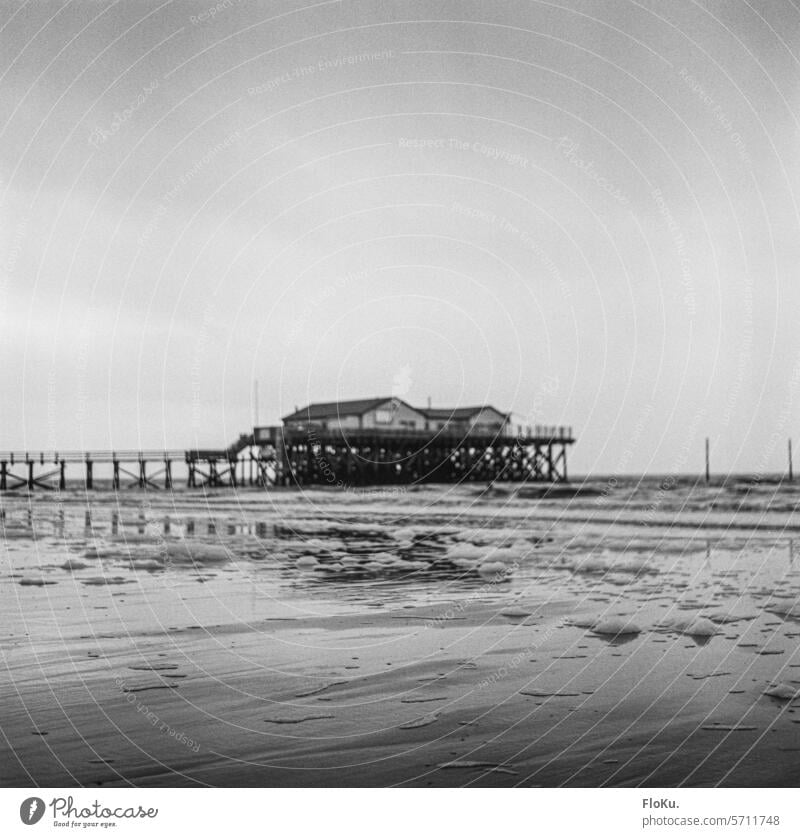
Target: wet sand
x=635 y=637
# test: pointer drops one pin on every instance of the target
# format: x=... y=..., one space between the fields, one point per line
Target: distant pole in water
x=791 y=471
x=255 y=402
x=708 y=467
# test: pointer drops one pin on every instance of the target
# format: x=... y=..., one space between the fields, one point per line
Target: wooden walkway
x=308 y=455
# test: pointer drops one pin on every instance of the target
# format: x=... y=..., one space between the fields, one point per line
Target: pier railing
x=541 y=434
x=55 y=457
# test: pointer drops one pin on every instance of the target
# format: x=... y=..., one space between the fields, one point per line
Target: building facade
x=391 y=413
x=480 y=419
x=362 y=414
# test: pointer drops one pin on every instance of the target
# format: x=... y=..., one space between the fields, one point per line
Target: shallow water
x=635 y=635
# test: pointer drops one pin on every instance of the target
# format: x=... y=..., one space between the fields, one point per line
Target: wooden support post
x=31 y=482
x=142 y=474
x=282 y=461
x=3 y=476
x=89 y=475
x=791 y=466
x=708 y=461
x=115 y=477
x=167 y=473
x=62 y=477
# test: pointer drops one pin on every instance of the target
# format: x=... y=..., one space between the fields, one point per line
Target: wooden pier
x=308 y=456
x=146 y=469
x=49 y=470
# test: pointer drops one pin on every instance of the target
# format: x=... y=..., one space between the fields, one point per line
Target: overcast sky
x=584 y=212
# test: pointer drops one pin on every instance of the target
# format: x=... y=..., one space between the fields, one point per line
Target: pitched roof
x=359 y=406
x=456 y=413
x=335 y=409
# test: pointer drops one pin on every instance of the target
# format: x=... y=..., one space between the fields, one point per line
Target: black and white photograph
x=399 y=394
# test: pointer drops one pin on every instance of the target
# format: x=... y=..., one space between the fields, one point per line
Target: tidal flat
x=630 y=635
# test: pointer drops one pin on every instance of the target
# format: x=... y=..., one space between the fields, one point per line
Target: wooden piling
x=791 y=467
x=320 y=457
x=708 y=460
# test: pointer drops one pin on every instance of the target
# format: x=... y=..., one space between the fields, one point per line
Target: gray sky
x=584 y=212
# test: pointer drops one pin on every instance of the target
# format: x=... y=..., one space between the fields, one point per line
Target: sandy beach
x=629 y=636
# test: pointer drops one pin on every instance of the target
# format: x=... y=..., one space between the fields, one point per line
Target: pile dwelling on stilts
x=375 y=441
x=385 y=441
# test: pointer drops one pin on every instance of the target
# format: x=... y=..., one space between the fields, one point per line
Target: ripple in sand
x=73 y=564
x=423 y=699
x=301 y=720
x=724 y=617
x=485 y=766
x=706 y=676
x=516 y=613
x=719 y=727
x=102 y=581
x=35 y=582
x=424 y=721
x=315 y=690
x=151 y=688
x=147 y=564
x=543 y=693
